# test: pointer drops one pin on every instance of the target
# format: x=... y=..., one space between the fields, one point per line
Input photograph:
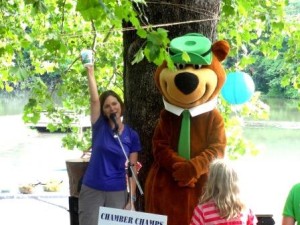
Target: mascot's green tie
x=184 y=138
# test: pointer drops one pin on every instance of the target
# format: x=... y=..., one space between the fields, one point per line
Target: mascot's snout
x=186 y=82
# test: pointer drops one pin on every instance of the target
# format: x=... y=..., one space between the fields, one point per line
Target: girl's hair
x=222 y=187
x=108 y=93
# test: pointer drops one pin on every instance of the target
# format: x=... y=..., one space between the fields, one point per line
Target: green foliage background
x=41 y=42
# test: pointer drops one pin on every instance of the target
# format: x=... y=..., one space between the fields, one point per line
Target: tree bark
x=142 y=99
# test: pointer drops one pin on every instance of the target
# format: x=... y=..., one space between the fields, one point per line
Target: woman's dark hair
x=108 y=93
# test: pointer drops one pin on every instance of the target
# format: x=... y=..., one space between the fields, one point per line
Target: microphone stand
x=130 y=172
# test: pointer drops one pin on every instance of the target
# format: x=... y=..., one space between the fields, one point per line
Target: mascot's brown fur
x=174 y=184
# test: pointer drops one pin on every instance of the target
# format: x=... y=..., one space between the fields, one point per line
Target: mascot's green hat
x=195 y=45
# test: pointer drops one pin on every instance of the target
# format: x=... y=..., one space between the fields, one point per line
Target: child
x=291 y=212
x=221 y=202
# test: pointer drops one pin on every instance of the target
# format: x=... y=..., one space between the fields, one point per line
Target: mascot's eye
x=180 y=66
x=197 y=67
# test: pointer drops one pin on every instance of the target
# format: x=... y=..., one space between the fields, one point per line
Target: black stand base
x=73 y=210
x=265 y=220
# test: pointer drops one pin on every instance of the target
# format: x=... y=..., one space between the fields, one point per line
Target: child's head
x=223 y=188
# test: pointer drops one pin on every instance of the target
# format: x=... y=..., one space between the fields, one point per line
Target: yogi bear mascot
x=190 y=131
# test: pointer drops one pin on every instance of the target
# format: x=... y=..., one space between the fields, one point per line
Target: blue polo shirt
x=106 y=169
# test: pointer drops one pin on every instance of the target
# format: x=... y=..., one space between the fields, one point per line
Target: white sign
x=111 y=216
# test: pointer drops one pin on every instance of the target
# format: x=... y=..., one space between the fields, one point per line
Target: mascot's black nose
x=186 y=82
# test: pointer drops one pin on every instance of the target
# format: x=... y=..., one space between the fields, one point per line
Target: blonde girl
x=221 y=202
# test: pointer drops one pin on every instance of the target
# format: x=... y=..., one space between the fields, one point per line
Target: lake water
x=267 y=178
x=27 y=156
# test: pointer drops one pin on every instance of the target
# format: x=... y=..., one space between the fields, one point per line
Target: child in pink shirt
x=220 y=203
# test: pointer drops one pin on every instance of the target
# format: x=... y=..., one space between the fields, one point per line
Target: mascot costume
x=190 y=131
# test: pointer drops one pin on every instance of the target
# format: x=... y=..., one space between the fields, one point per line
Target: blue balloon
x=238 y=88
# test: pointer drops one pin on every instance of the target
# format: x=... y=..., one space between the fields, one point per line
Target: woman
x=221 y=202
x=104 y=182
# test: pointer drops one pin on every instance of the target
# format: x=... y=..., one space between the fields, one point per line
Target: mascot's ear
x=221 y=49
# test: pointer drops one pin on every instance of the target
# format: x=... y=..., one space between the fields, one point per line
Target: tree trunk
x=142 y=99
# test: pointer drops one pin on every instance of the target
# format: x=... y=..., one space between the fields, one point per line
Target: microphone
x=113 y=118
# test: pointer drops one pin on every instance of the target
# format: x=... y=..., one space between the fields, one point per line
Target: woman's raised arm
x=94 y=95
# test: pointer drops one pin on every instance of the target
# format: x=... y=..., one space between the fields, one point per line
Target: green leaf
x=52 y=127
x=285 y=81
x=138 y=57
x=91 y=9
x=228 y=10
x=186 y=57
x=243 y=8
x=2 y=51
x=142 y=33
x=278 y=25
x=160 y=58
x=19 y=73
x=135 y=22
x=151 y=51
x=8 y=88
x=86 y=4
x=3 y=30
x=27 y=2
x=52 y=45
x=39 y=7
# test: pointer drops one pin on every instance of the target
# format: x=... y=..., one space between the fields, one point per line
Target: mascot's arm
x=163 y=151
x=186 y=173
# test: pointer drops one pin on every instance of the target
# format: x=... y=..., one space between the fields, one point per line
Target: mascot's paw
x=184 y=173
x=190 y=184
